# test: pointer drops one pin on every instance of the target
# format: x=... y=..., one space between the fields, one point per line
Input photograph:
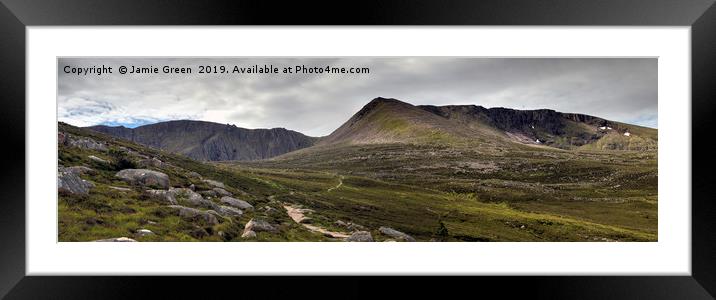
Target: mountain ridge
x=388 y=121
x=425 y=123
x=209 y=141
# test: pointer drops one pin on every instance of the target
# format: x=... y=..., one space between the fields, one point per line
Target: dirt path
x=297 y=214
x=340 y=183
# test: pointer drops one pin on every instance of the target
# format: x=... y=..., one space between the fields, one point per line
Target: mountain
x=207 y=141
x=388 y=160
x=551 y=128
x=384 y=121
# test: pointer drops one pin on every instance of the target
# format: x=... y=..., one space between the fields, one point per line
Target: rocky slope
x=113 y=190
x=551 y=128
x=209 y=141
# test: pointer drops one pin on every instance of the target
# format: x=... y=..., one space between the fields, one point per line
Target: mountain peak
x=389 y=120
x=385 y=100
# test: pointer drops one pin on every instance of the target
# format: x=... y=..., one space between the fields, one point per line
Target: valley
x=392 y=172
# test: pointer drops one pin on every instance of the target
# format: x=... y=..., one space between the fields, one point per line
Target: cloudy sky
x=620 y=89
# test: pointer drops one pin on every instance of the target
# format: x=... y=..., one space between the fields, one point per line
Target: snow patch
x=627 y=134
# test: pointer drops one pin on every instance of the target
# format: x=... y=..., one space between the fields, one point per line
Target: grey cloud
x=622 y=89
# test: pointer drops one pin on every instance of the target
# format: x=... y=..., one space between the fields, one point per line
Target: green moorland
x=432 y=192
x=529 y=193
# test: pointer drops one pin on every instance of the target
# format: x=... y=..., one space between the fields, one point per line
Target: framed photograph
x=554 y=140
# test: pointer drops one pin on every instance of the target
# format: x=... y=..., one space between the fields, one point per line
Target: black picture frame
x=16 y=15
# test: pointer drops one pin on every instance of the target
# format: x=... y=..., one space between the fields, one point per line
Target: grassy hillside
x=114 y=208
x=471 y=207
x=610 y=188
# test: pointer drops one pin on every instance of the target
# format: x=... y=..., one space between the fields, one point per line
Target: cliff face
x=548 y=121
x=209 y=141
x=552 y=128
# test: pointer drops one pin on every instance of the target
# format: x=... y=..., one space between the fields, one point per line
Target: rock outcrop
x=80 y=142
x=214 y=183
x=193 y=214
x=144 y=177
x=81 y=170
x=257 y=225
x=229 y=211
x=240 y=204
x=161 y=195
x=400 y=236
x=360 y=236
x=248 y=234
x=221 y=192
x=68 y=181
x=189 y=197
x=144 y=232
x=152 y=162
x=97 y=159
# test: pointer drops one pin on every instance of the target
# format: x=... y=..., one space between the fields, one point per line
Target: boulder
x=400 y=236
x=71 y=183
x=192 y=187
x=80 y=170
x=248 y=234
x=161 y=195
x=259 y=225
x=355 y=227
x=221 y=192
x=360 y=236
x=145 y=177
x=194 y=175
x=144 y=232
x=209 y=193
x=119 y=239
x=123 y=189
x=185 y=195
x=214 y=183
x=85 y=143
x=236 y=203
x=151 y=162
x=193 y=214
x=229 y=211
x=97 y=159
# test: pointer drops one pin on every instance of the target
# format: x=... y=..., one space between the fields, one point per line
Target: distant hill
x=207 y=141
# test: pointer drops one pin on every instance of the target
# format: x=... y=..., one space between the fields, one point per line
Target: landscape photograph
x=357 y=149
